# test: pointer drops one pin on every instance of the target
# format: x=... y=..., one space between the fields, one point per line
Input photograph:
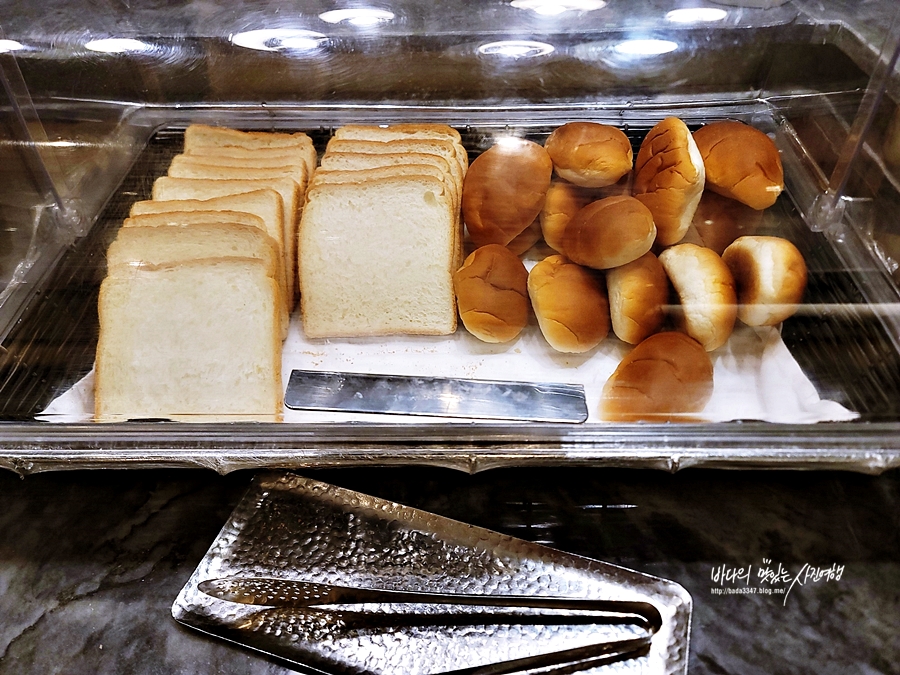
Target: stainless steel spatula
x=437 y=396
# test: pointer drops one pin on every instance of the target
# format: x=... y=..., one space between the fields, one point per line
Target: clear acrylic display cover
x=96 y=101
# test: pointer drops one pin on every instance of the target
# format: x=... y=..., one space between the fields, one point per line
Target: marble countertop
x=90 y=562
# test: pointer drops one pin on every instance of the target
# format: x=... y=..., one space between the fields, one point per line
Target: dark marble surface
x=90 y=562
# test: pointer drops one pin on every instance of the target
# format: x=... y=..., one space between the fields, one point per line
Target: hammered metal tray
x=293 y=529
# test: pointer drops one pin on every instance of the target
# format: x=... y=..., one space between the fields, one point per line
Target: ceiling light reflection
x=554 y=7
x=696 y=15
x=279 y=39
x=117 y=45
x=509 y=142
x=645 y=47
x=362 y=17
x=516 y=49
x=10 y=46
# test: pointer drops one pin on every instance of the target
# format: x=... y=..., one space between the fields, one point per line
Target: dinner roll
x=563 y=201
x=589 y=154
x=705 y=289
x=491 y=293
x=666 y=378
x=638 y=294
x=504 y=190
x=609 y=232
x=720 y=220
x=741 y=163
x=570 y=304
x=669 y=178
x=527 y=238
x=770 y=275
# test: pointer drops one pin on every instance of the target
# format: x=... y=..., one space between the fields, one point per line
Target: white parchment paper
x=755 y=375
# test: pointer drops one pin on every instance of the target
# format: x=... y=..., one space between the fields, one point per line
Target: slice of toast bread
x=376 y=258
x=192 y=341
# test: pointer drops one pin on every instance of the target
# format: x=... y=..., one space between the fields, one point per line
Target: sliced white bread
x=365 y=132
x=359 y=175
x=260 y=157
x=191 y=341
x=205 y=139
x=265 y=204
x=263 y=158
x=430 y=146
x=167 y=188
x=194 y=218
x=194 y=166
x=172 y=240
x=377 y=257
x=354 y=161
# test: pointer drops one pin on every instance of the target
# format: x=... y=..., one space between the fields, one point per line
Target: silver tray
x=848 y=349
x=292 y=528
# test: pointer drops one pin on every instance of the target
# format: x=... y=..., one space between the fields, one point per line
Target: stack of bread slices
x=380 y=235
x=201 y=283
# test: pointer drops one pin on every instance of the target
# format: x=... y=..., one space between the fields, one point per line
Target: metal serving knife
x=435 y=396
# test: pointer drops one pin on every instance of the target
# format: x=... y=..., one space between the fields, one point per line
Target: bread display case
x=104 y=111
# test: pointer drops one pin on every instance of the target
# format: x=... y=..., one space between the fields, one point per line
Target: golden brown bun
x=563 y=201
x=589 y=154
x=504 y=190
x=741 y=163
x=770 y=275
x=666 y=378
x=705 y=289
x=609 y=232
x=669 y=178
x=720 y=220
x=491 y=294
x=526 y=238
x=570 y=304
x=638 y=294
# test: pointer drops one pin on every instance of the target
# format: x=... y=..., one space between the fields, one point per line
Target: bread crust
x=720 y=220
x=770 y=274
x=589 y=154
x=492 y=295
x=666 y=378
x=609 y=232
x=563 y=201
x=504 y=191
x=570 y=304
x=669 y=178
x=705 y=290
x=638 y=294
x=527 y=238
x=741 y=163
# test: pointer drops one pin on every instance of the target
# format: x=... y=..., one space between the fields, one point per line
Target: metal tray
x=292 y=528
x=840 y=342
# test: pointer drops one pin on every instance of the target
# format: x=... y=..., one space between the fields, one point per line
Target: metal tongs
x=286 y=593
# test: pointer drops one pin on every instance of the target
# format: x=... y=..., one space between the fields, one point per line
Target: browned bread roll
x=705 y=289
x=741 y=163
x=570 y=304
x=638 y=294
x=526 y=238
x=563 y=201
x=666 y=378
x=491 y=294
x=669 y=178
x=720 y=220
x=589 y=154
x=770 y=275
x=504 y=190
x=609 y=232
